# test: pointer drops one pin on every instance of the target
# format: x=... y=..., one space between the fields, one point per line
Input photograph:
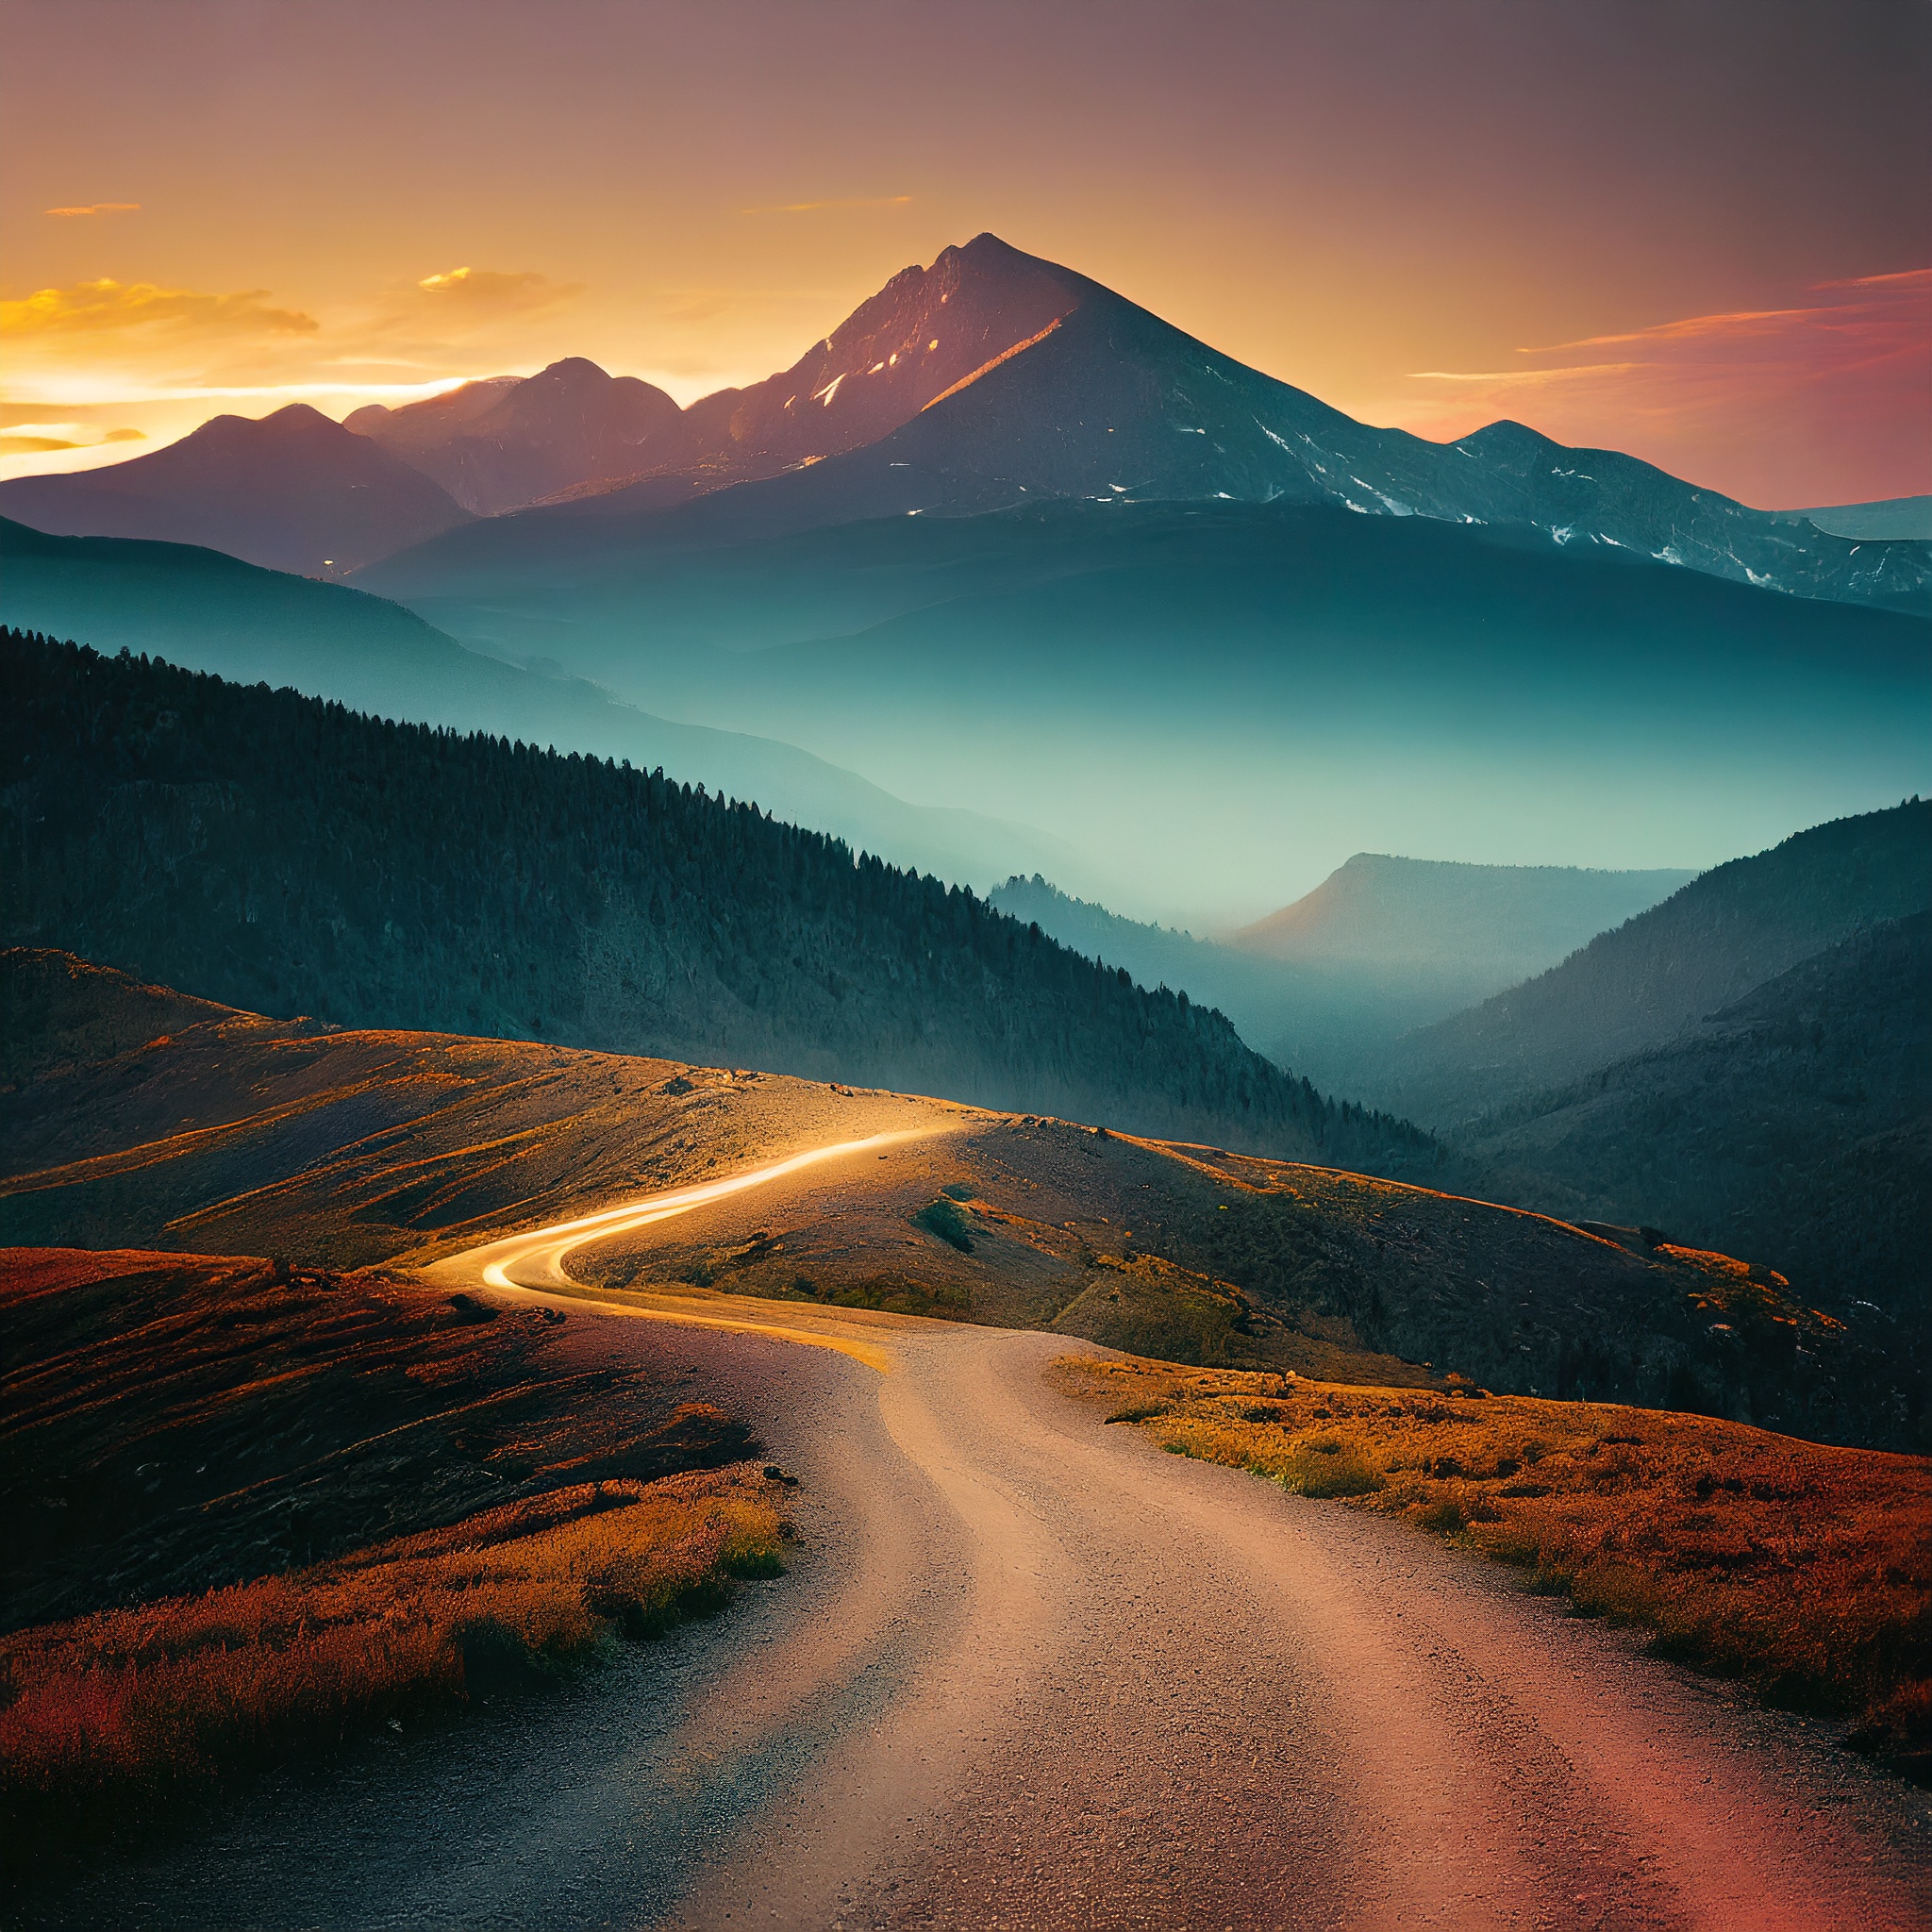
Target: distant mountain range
x=294 y=491
x=995 y=378
x=1652 y=980
x=991 y=379
x=1190 y=693
x=1003 y=543
x=1483 y=922
x=1746 y=1065
x=265 y=849
x=500 y=444
x=1382 y=947
x=208 y=611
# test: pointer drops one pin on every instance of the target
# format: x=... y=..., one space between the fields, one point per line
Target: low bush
x=945 y=1219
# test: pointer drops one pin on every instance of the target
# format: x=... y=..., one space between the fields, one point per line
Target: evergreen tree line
x=286 y=854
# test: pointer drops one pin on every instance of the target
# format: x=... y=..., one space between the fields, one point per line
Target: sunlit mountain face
x=574 y=430
x=993 y=378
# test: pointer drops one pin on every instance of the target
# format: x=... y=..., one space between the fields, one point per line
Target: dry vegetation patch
x=172 y=1423
x=109 y=1718
x=249 y=1510
x=1802 y=1569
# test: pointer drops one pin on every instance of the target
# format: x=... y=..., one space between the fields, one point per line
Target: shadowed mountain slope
x=1653 y=979
x=1795 y=1124
x=286 y=854
x=1382 y=947
x=292 y=490
x=208 y=611
x=1066 y=390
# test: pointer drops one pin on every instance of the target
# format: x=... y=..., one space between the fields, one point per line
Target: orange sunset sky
x=1699 y=232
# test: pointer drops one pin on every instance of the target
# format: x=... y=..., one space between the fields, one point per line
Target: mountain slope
x=1251 y=992
x=1475 y=920
x=277 y=853
x=573 y=428
x=294 y=491
x=1652 y=980
x=1895 y=519
x=1795 y=1124
x=209 y=612
x=568 y=426
x=1204 y=697
x=1067 y=390
x=1383 y=946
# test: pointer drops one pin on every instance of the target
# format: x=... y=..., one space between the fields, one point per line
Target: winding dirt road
x=1031 y=1673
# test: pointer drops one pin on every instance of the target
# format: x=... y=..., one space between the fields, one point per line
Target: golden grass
x=108 y=1716
x=1802 y=1569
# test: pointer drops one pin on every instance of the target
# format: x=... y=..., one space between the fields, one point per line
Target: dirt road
x=1031 y=1673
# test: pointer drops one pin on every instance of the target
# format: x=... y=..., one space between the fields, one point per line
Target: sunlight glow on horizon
x=1191 y=168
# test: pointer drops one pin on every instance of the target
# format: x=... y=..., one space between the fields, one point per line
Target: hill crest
x=292 y=491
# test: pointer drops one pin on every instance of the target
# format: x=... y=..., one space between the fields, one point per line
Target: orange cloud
x=33 y=438
x=1780 y=407
x=97 y=208
x=95 y=307
x=496 y=291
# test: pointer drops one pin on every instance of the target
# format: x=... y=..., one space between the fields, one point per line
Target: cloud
x=97 y=208
x=1919 y=277
x=1522 y=378
x=96 y=307
x=1822 y=401
x=480 y=292
x=812 y=208
x=29 y=438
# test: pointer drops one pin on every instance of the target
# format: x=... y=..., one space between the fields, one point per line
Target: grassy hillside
x=251 y=1514
x=1795 y=1124
x=1653 y=979
x=290 y=856
x=334 y=1148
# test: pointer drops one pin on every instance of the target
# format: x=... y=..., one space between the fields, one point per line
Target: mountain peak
x=292 y=490
x=574 y=370
x=291 y=421
x=524 y=441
